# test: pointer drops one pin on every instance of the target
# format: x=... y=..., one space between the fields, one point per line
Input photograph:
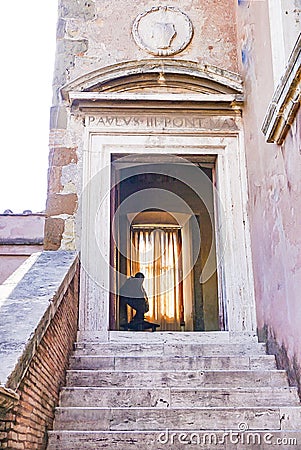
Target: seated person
x=133 y=294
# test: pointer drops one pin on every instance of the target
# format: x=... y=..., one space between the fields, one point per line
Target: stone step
x=179 y=440
x=201 y=337
x=139 y=419
x=172 y=362
x=177 y=397
x=179 y=378
x=135 y=389
x=168 y=349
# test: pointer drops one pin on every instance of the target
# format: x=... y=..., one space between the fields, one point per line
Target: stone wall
x=62 y=197
x=40 y=370
x=93 y=34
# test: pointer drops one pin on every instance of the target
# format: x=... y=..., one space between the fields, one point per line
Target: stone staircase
x=173 y=390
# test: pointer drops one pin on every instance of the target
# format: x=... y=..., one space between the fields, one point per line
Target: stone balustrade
x=38 y=326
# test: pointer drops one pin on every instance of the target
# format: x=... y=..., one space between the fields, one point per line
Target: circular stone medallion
x=162 y=30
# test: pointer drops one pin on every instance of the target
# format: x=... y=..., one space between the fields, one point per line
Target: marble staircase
x=173 y=390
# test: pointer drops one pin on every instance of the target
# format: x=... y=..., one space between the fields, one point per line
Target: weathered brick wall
x=26 y=425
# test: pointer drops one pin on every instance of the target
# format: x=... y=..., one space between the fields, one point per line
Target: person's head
x=139 y=276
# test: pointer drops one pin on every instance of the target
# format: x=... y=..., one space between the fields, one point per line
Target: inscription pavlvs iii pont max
x=164 y=122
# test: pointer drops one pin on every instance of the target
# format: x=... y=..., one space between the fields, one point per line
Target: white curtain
x=157 y=253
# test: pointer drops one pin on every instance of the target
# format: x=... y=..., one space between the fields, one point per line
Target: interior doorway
x=156 y=251
x=162 y=224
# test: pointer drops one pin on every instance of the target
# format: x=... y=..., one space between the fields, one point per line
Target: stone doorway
x=125 y=109
x=163 y=225
x=233 y=260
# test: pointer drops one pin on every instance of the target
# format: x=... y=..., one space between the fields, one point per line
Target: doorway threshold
x=193 y=337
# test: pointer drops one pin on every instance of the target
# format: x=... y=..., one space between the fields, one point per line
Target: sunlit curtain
x=157 y=254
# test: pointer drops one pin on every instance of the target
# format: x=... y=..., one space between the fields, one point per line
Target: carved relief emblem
x=162 y=30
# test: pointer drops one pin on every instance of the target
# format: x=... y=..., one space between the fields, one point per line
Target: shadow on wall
x=284 y=362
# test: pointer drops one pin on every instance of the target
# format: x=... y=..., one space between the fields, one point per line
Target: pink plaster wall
x=274 y=174
x=20 y=236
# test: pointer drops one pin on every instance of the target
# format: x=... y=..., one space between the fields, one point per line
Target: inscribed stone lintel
x=162 y=122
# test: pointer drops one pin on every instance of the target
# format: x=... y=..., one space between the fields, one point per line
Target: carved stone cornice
x=285 y=103
x=120 y=78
